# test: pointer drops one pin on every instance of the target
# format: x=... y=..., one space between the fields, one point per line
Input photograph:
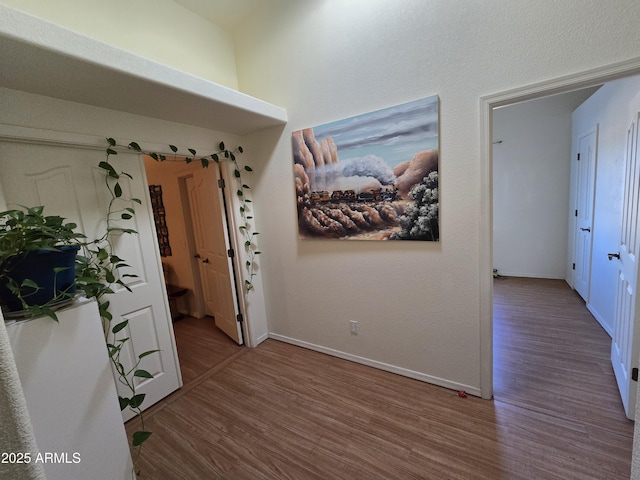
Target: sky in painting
x=394 y=134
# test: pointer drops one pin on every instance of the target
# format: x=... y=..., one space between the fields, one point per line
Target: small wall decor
x=370 y=177
x=155 y=191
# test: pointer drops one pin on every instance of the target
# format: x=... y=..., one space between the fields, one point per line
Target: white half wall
x=531 y=172
x=160 y=30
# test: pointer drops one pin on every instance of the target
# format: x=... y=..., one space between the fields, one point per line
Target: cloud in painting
x=368 y=166
x=356 y=183
x=354 y=173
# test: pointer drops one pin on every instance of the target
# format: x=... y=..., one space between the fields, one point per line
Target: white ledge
x=43 y=58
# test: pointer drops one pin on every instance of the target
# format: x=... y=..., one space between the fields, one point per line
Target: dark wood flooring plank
x=283 y=412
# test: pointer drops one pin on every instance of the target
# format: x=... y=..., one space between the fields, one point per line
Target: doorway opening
x=195 y=249
x=487 y=105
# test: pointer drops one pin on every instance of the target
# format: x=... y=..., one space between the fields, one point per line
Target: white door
x=69 y=183
x=624 y=346
x=586 y=181
x=212 y=247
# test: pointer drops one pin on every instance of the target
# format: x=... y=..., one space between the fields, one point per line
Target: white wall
x=611 y=108
x=531 y=171
x=161 y=30
x=417 y=303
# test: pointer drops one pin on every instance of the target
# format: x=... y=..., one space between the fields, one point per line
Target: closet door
x=68 y=182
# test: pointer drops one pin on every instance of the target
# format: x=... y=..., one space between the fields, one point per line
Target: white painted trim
x=600 y=320
x=441 y=382
x=531 y=275
x=259 y=340
x=589 y=78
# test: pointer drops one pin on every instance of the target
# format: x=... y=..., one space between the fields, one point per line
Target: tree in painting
x=420 y=220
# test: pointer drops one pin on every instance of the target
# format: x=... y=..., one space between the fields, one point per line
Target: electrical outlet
x=353 y=325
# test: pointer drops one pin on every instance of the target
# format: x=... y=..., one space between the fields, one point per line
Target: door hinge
x=221 y=183
x=578 y=157
x=573 y=267
x=634 y=374
x=240 y=319
x=231 y=253
x=576 y=213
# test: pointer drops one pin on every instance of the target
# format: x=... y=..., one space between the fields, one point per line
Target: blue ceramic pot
x=40 y=266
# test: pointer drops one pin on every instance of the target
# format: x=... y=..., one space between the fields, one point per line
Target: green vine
x=106 y=264
x=98 y=270
x=223 y=154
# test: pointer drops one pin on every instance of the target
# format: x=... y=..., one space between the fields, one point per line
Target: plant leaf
x=27 y=282
x=110 y=170
x=124 y=402
x=119 y=326
x=137 y=400
x=149 y=352
x=135 y=146
x=140 y=437
x=142 y=374
x=173 y=148
x=117 y=190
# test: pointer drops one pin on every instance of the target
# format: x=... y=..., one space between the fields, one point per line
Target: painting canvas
x=370 y=177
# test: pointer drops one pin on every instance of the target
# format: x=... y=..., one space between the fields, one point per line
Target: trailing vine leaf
x=142 y=374
x=140 y=437
x=137 y=400
x=204 y=160
x=107 y=265
x=120 y=326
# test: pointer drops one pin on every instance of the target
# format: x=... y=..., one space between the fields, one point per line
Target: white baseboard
x=600 y=320
x=260 y=339
x=441 y=382
x=531 y=275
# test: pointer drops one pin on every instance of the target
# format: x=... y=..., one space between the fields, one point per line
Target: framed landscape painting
x=370 y=177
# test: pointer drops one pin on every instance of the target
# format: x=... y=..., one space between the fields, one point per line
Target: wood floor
x=283 y=412
x=201 y=346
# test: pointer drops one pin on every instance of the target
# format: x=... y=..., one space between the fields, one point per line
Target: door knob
x=206 y=260
x=611 y=255
x=585 y=229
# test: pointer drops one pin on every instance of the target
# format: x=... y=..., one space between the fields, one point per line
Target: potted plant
x=37 y=261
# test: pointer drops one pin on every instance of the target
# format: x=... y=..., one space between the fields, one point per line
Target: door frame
x=253 y=333
x=565 y=84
